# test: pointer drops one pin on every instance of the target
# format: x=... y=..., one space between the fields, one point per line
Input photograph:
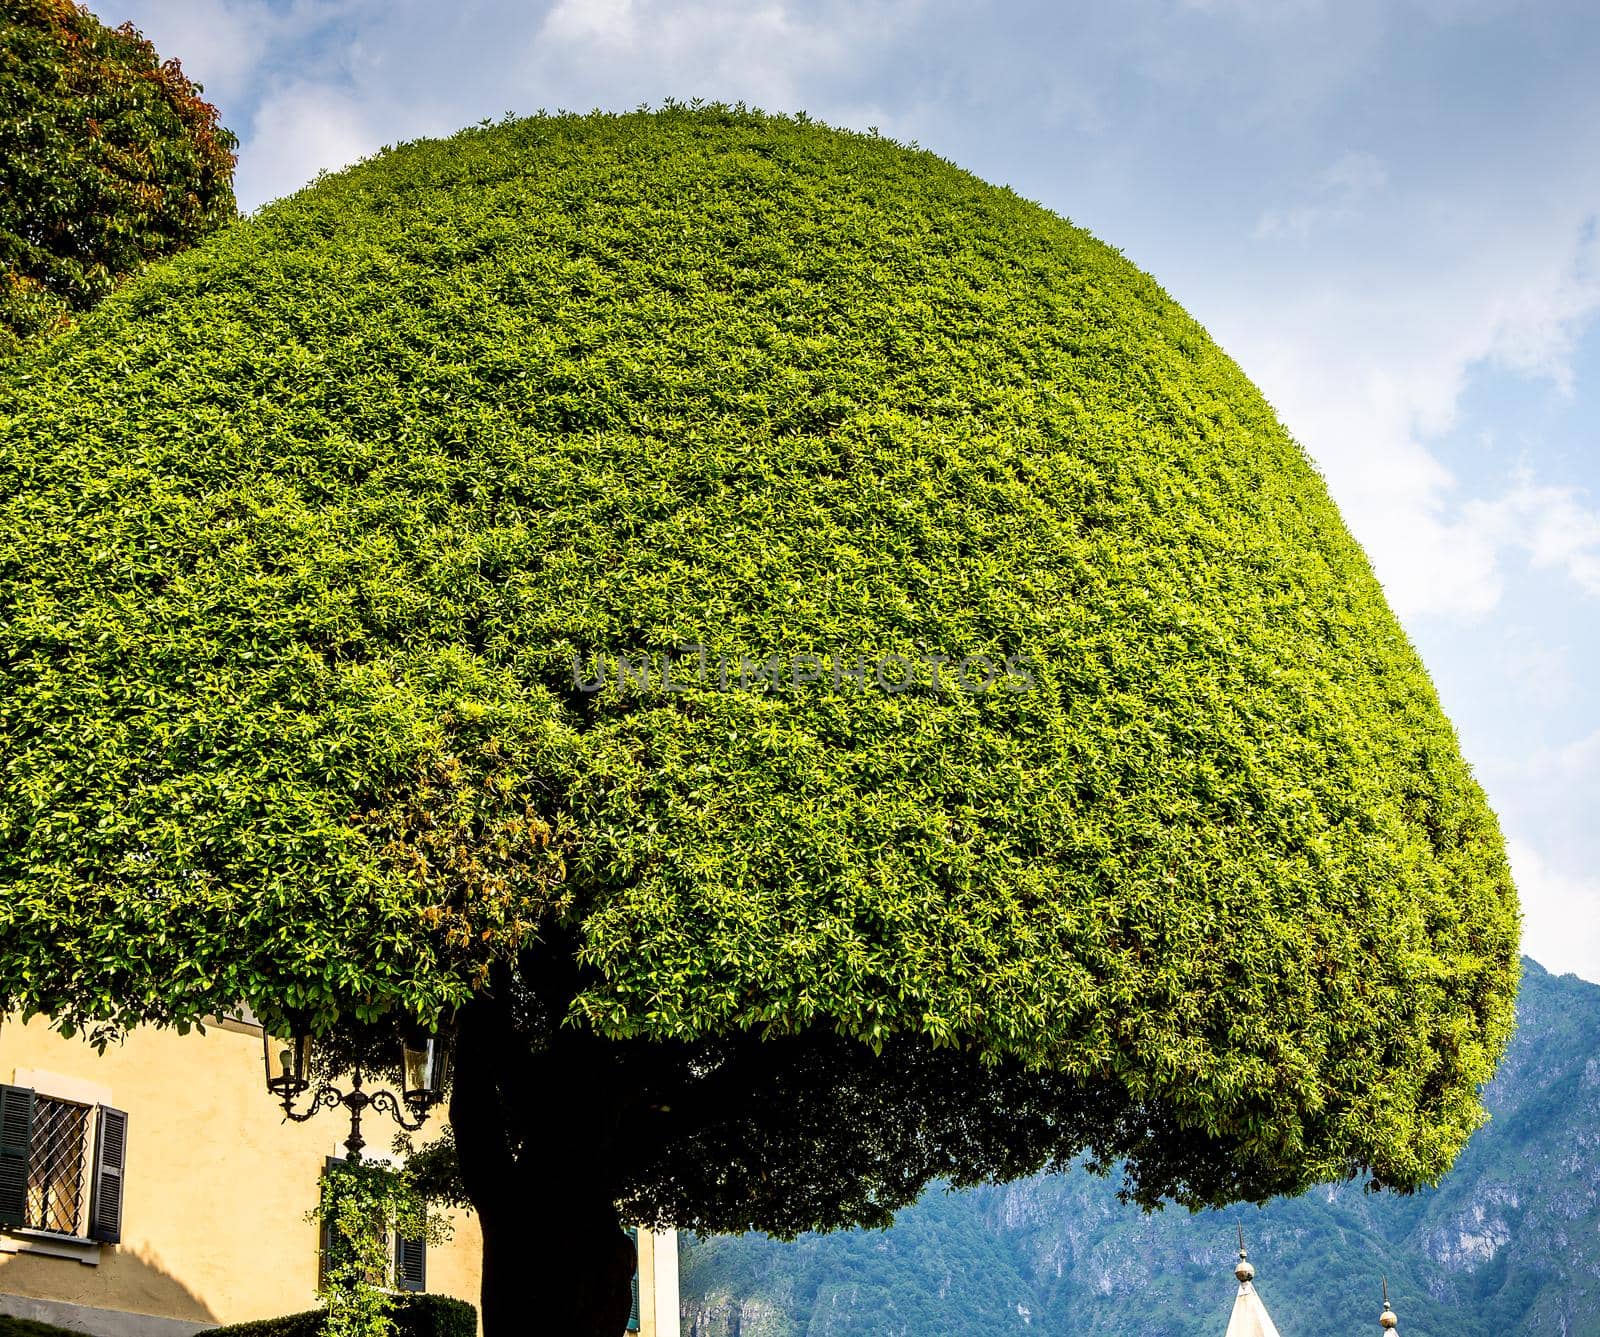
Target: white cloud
x=1546 y=797
x=1353 y=176
x=766 y=53
x=1362 y=388
x=1538 y=674
x=232 y=46
x=1259 y=11
x=314 y=129
x=1368 y=369
x=1572 y=764
x=1561 y=913
x=317 y=84
x=1556 y=526
x=1536 y=325
x=217 y=43
x=1336 y=196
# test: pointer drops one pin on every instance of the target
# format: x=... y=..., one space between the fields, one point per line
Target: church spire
x=1387 y=1318
x=1250 y=1317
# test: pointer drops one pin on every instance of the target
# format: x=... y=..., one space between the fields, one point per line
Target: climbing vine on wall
x=364 y=1206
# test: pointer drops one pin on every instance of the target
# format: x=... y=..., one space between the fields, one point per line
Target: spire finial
x=1387 y=1318
x=1243 y=1271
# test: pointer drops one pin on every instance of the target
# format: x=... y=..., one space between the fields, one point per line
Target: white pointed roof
x=1250 y=1317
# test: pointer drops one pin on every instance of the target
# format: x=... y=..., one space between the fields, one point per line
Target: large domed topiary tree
x=819 y=665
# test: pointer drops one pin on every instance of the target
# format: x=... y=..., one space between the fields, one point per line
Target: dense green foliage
x=108 y=158
x=1508 y=1246
x=302 y=532
x=26 y=1327
x=359 y=1205
x=419 y=1315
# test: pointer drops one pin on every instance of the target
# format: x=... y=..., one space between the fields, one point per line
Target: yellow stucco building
x=156 y=1190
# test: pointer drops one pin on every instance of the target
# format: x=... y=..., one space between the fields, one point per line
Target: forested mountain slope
x=1509 y=1244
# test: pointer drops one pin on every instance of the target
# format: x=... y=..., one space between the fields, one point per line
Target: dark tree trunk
x=536 y=1132
x=557 y=1262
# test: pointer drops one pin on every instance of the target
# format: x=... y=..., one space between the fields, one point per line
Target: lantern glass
x=425 y=1067
x=288 y=1063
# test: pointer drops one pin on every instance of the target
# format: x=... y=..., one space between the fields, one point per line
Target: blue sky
x=1387 y=210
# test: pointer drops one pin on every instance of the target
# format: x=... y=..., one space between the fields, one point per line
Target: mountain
x=1509 y=1244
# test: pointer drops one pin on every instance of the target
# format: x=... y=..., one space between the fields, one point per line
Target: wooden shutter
x=16 y=1137
x=325 y=1242
x=331 y=1246
x=324 y=1251
x=633 y=1315
x=110 y=1155
x=410 y=1264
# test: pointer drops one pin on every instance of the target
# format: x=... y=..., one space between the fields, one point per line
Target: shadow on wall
x=128 y=1295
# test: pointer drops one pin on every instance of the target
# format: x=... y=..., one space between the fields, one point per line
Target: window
x=407 y=1266
x=633 y=1314
x=410 y=1264
x=61 y=1165
x=58 y=1168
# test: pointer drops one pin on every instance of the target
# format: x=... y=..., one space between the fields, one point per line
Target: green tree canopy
x=108 y=158
x=314 y=541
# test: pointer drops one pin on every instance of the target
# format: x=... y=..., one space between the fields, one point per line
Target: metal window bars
x=59 y=1166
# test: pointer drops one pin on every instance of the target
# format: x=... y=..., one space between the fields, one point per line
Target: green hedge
x=414 y=1316
x=27 y=1327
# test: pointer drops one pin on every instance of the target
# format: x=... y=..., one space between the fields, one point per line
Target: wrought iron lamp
x=424 y=1068
x=287 y=1077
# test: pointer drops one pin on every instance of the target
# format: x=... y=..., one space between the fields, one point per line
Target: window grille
x=59 y=1165
x=633 y=1314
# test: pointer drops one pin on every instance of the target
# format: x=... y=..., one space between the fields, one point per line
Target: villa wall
x=217 y=1188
